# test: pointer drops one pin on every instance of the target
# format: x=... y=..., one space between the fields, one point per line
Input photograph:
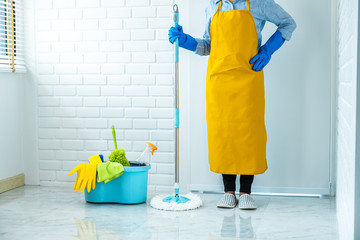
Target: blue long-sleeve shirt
x=261 y=10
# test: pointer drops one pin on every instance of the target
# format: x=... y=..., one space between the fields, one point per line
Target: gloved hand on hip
x=263 y=57
x=185 y=40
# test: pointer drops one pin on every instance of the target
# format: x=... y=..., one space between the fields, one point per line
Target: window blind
x=11 y=38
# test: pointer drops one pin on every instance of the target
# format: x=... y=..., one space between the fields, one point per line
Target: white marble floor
x=44 y=213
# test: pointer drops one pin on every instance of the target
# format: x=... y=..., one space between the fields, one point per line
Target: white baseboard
x=274 y=191
x=57 y=184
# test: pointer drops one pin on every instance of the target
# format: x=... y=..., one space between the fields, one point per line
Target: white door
x=298 y=105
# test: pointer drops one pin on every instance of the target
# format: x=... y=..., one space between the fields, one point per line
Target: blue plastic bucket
x=129 y=188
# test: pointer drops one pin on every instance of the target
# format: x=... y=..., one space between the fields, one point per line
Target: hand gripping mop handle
x=177 y=121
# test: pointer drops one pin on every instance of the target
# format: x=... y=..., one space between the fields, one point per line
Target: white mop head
x=158 y=203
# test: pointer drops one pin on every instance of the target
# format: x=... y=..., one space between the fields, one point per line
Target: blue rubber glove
x=263 y=57
x=185 y=40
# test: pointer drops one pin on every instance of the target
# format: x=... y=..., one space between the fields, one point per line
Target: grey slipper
x=246 y=202
x=228 y=200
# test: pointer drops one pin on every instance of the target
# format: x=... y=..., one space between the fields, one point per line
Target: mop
x=176 y=202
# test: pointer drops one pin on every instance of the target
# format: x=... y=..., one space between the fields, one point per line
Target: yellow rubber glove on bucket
x=109 y=171
x=86 y=174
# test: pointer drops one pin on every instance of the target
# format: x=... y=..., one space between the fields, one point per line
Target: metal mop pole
x=177 y=202
x=177 y=121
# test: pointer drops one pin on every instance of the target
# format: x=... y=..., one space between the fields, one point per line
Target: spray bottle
x=145 y=156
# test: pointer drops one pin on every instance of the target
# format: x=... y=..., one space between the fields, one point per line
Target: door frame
x=357 y=141
x=333 y=98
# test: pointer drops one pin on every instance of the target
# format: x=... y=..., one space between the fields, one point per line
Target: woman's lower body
x=245 y=183
x=229 y=199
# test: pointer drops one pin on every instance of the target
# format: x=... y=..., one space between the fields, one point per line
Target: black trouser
x=245 y=183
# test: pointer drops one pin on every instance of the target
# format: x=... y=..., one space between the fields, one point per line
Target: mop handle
x=176 y=23
x=177 y=121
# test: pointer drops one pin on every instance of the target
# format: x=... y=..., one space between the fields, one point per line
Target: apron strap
x=219 y=6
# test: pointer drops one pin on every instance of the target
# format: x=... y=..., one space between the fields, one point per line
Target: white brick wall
x=104 y=62
x=347 y=71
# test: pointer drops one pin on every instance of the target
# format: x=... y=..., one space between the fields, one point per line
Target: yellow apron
x=235 y=96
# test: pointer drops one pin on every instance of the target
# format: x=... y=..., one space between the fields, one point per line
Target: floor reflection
x=246 y=228
x=86 y=230
x=232 y=229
